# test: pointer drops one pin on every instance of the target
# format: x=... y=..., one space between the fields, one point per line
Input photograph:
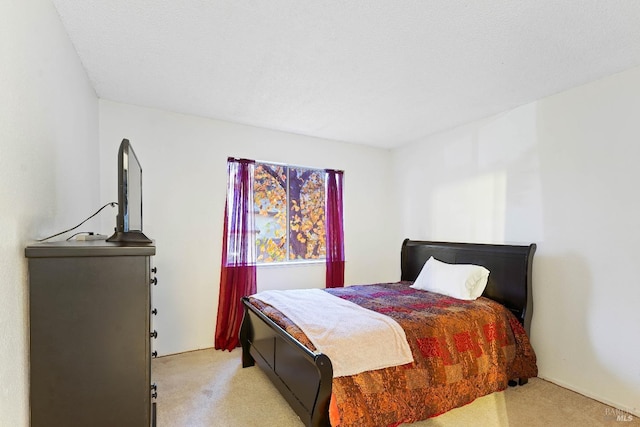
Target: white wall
x=561 y=172
x=49 y=177
x=184 y=187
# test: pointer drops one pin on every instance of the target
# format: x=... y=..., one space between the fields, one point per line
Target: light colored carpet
x=210 y=388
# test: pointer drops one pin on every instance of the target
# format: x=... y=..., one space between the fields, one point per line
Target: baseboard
x=591 y=395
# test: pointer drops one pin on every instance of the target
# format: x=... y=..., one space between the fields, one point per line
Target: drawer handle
x=154 y=334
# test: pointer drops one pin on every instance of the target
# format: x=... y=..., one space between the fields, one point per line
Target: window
x=289 y=213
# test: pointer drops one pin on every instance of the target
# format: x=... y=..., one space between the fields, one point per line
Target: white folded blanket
x=354 y=338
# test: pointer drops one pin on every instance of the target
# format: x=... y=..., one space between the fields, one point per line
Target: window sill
x=291 y=263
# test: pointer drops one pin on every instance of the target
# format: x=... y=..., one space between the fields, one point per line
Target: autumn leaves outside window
x=289 y=207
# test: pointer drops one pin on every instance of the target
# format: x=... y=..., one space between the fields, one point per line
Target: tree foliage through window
x=289 y=212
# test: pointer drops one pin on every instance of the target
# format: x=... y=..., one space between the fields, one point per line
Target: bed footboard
x=302 y=376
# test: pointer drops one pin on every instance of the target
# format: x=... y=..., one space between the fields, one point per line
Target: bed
x=304 y=376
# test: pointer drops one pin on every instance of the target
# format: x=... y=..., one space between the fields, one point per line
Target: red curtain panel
x=334 y=229
x=238 y=270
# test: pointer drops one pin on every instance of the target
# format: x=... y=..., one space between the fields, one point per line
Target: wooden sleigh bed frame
x=304 y=377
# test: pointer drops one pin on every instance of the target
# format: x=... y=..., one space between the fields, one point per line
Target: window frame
x=288 y=260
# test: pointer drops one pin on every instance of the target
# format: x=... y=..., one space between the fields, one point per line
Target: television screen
x=133 y=192
x=129 y=221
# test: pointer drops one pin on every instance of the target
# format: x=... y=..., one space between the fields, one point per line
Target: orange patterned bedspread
x=462 y=350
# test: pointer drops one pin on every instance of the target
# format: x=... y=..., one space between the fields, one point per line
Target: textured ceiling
x=375 y=72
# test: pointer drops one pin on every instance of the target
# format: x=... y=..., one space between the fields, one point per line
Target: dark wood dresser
x=90 y=334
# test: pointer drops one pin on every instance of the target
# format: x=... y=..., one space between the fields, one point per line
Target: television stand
x=136 y=237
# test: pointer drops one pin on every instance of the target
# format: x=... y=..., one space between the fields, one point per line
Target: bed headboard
x=510 y=269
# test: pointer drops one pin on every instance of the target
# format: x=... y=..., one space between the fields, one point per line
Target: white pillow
x=461 y=281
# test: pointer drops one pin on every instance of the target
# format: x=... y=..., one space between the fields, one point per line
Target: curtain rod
x=289 y=165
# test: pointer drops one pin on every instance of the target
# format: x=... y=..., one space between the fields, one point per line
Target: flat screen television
x=129 y=220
